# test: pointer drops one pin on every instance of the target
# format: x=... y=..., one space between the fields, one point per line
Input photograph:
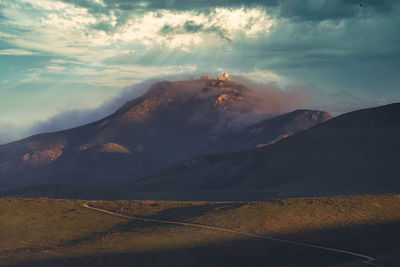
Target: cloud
x=16 y=52
x=190 y=27
x=101 y=75
x=310 y=10
x=73 y=31
x=177 y=5
x=260 y=76
x=276 y=100
x=10 y=132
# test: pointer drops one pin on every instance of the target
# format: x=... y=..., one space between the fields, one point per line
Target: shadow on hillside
x=203 y=195
x=245 y=252
x=376 y=240
x=372 y=239
x=76 y=192
x=178 y=214
x=190 y=212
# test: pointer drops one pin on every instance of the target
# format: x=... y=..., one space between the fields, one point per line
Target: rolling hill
x=171 y=122
x=358 y=152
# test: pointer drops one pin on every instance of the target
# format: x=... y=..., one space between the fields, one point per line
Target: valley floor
x=48 y=232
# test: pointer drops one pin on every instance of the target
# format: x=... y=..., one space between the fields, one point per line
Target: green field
x=49 y=232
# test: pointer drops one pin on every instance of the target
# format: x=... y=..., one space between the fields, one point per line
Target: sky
x=60 y=59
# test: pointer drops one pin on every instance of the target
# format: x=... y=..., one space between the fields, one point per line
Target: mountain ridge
x=354 y=153
x=171 y=122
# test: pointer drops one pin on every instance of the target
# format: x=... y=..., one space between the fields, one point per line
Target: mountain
x=355 y=153
x=272 y=130
x=171 y=122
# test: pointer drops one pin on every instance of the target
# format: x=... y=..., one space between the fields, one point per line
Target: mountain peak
x=171 y=122
x=193 y=95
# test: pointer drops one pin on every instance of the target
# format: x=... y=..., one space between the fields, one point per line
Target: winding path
x=365 y=259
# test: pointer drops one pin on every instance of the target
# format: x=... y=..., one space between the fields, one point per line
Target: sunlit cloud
x=188 y=29
x=260 y=76
x=63 y=29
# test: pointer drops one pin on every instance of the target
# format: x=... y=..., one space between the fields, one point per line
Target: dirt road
x=364 y=258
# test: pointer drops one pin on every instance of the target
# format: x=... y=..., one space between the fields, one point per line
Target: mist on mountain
x=275 y=101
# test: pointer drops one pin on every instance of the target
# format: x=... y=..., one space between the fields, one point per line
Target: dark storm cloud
x=333 y=9
x=93 y=7
x=297 y=9
x=103 y=26
x=192 y=27
x=184 y=4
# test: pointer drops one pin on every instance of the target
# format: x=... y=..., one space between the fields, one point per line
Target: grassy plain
x=51 y=232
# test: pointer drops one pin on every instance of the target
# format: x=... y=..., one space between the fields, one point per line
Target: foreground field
x=44 y=232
